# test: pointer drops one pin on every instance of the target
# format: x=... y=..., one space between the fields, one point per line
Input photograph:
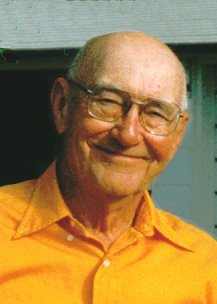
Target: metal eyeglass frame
x=90 y=92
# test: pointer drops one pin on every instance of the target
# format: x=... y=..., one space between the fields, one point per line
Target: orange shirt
x=47 y=256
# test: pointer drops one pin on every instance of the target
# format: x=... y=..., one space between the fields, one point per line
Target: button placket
x=105 y=289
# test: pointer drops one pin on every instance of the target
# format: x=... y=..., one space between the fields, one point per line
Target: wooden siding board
x=29 y=24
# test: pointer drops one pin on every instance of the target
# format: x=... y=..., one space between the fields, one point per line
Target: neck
x=105 y=219
x=104 y=215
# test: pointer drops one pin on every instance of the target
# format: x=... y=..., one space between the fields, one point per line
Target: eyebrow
x=113 y=88
x=110 y=87
x=120 y=91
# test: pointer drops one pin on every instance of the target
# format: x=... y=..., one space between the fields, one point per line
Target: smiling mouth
x=118 y=153
x=106 y=150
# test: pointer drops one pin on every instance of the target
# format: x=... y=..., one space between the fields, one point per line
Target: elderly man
x=87 y=232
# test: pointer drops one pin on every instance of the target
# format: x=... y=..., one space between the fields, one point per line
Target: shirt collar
x=151 y=220
x=47 y=206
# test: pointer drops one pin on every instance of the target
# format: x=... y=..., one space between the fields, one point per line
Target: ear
x=183 y=123
x=181 y=129
x=59 y=104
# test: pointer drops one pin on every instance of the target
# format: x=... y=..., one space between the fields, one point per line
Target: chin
x=119 y=184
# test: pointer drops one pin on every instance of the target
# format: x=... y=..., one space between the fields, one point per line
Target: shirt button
x=70 y=237
x=106 y=263
x=148 y=229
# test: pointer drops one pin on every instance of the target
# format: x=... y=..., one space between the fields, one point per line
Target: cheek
x=92 y=127
x=78 y=136
x=163 y=148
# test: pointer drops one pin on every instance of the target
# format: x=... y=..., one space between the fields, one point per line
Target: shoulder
x=14 y=200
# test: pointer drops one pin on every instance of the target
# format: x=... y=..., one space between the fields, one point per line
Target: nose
x=128 y=131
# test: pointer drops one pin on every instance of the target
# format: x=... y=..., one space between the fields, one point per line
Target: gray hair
x=184 y=102
x=73 y=69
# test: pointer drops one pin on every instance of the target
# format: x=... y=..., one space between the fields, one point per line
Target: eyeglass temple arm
x=81 y=87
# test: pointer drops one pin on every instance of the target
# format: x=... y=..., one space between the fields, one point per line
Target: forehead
x=140 y=68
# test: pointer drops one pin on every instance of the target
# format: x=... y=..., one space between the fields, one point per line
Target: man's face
x=122 y=158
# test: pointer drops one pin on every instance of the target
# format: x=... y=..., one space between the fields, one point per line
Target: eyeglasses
x=109 y=104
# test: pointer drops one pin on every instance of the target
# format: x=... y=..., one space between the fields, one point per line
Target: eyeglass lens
x=158 y=117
